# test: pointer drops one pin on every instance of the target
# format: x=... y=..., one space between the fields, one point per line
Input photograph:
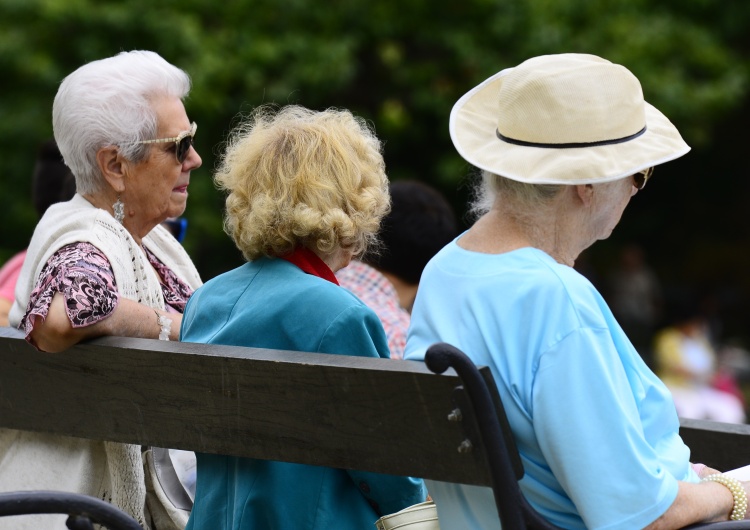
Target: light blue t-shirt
x=596 y=429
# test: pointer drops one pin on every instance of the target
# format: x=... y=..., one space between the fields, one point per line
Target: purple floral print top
x=87 y=282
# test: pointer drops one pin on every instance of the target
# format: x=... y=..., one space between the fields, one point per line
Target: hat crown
x=569 y=99
x=562 y=119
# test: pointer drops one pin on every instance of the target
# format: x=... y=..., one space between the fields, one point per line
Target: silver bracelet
x=738 y=493
x=165 y=324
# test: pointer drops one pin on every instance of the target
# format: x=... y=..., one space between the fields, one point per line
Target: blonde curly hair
x=297 y=177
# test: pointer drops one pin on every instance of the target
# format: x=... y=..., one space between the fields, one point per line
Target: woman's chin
x=176 y=207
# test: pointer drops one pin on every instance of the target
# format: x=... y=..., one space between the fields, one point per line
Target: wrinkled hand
x=703 y=470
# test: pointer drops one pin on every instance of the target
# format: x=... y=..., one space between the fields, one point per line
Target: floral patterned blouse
x=85 y=278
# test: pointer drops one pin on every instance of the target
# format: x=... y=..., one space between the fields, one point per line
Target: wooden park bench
x=378 y=415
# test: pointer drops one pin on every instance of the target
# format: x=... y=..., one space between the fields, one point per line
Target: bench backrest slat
x=722 y=446
x=377 y=415
x=373 y=414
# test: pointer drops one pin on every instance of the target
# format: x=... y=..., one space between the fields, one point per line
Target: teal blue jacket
x=271 y=303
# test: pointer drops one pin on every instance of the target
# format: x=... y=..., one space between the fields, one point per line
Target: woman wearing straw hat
x=563 y=142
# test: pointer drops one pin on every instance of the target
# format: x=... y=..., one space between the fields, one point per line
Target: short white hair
x=520 y=196
x=110 y=102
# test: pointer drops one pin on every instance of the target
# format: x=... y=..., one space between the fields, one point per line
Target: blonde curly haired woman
x=307 y=191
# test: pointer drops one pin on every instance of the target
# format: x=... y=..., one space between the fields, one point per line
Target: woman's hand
x=703 y=470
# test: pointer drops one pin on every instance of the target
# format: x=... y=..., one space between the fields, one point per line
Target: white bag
x=422 y=516
x=168 y=501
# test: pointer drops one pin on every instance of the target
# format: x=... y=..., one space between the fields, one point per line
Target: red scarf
x=309 y=262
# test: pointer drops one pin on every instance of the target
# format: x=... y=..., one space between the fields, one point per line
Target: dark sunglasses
x=640 y=178
x=182 y=141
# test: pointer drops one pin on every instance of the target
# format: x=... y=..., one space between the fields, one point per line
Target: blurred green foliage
x=400 y=64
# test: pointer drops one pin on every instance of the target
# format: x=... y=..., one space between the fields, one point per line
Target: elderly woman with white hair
x=563 y=142
x=307 y=192
x=101 y=264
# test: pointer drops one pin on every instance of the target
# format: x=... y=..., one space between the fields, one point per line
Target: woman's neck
x=338 y=259
x=498 y=232
x=105 y=201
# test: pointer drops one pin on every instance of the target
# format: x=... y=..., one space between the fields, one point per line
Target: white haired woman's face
x=156 y=188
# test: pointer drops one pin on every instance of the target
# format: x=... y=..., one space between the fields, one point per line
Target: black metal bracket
x=82 y=510
x=513 y=509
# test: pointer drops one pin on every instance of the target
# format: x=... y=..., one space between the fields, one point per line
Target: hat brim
x=473 y=126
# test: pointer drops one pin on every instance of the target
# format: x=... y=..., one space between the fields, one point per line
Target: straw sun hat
x=562 y=119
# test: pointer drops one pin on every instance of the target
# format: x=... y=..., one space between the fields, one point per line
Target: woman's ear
x=112 y=167
x=585 y=193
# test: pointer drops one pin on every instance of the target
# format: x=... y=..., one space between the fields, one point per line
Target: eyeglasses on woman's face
x=641 y=178
x=183 y=142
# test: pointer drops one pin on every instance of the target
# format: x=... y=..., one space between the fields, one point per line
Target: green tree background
x=402 y=65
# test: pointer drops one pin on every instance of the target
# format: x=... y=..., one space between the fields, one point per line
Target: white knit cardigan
x=107 y=470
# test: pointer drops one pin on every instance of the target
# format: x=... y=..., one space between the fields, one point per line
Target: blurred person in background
x=420 y=223
x=688 y=364
x=102 y=264
x=177 y=226
x=51 y=182
x=635 y=296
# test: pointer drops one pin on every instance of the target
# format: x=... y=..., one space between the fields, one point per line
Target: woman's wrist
x=739 y=506
x=165 y=325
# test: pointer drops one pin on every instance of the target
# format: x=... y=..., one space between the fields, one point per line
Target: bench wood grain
x=722 y=446
x=377 y=415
